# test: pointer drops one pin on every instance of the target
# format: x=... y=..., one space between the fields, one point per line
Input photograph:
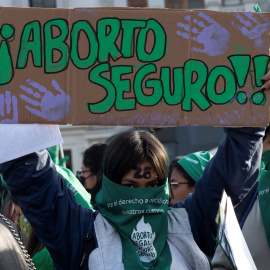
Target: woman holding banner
x=134 y=228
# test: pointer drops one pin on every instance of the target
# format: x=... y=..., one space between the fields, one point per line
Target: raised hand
x=251 y=27
x=214 y=37
x=266 y=82
x=8 y=108
x=46 y=105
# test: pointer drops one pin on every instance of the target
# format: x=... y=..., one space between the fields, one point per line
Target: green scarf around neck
x=140 y=217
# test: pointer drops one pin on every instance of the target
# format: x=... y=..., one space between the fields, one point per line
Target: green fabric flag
x=54 y=153
x=140 y=217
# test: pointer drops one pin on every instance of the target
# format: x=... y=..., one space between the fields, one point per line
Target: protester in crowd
x=133 y=204
x=12 y=252
x=184 y=173
x=91 y=173
x=252 y=213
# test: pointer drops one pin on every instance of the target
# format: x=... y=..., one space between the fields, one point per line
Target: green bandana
x=194 y=164
x=264 y=202
x=54 y=153
x=140 y=216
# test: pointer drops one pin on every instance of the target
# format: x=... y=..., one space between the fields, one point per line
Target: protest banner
x=134 y=67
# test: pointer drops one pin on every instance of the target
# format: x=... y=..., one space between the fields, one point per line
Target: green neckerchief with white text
x=140 y=217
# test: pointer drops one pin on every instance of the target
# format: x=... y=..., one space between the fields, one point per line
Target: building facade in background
x=179 y=140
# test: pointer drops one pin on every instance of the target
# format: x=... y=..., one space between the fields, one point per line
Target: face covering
x=140 y=217
x=92 y=191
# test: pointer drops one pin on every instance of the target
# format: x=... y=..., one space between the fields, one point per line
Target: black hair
x=93 y=160
x=93 y=157
x=130 y=148
x=175 y=165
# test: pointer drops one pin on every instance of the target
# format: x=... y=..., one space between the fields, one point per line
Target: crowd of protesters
x=131 y=225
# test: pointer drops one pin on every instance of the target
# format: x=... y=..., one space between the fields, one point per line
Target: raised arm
x=49 y=205
x=235 y=168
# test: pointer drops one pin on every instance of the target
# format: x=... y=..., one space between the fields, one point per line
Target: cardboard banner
x=135 y=67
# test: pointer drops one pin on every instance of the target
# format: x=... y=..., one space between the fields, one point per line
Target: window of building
x=137 y=3
x=42 y=3
x=195 y=4
x=227 y=3
x=178 y=4
x=185 y=4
